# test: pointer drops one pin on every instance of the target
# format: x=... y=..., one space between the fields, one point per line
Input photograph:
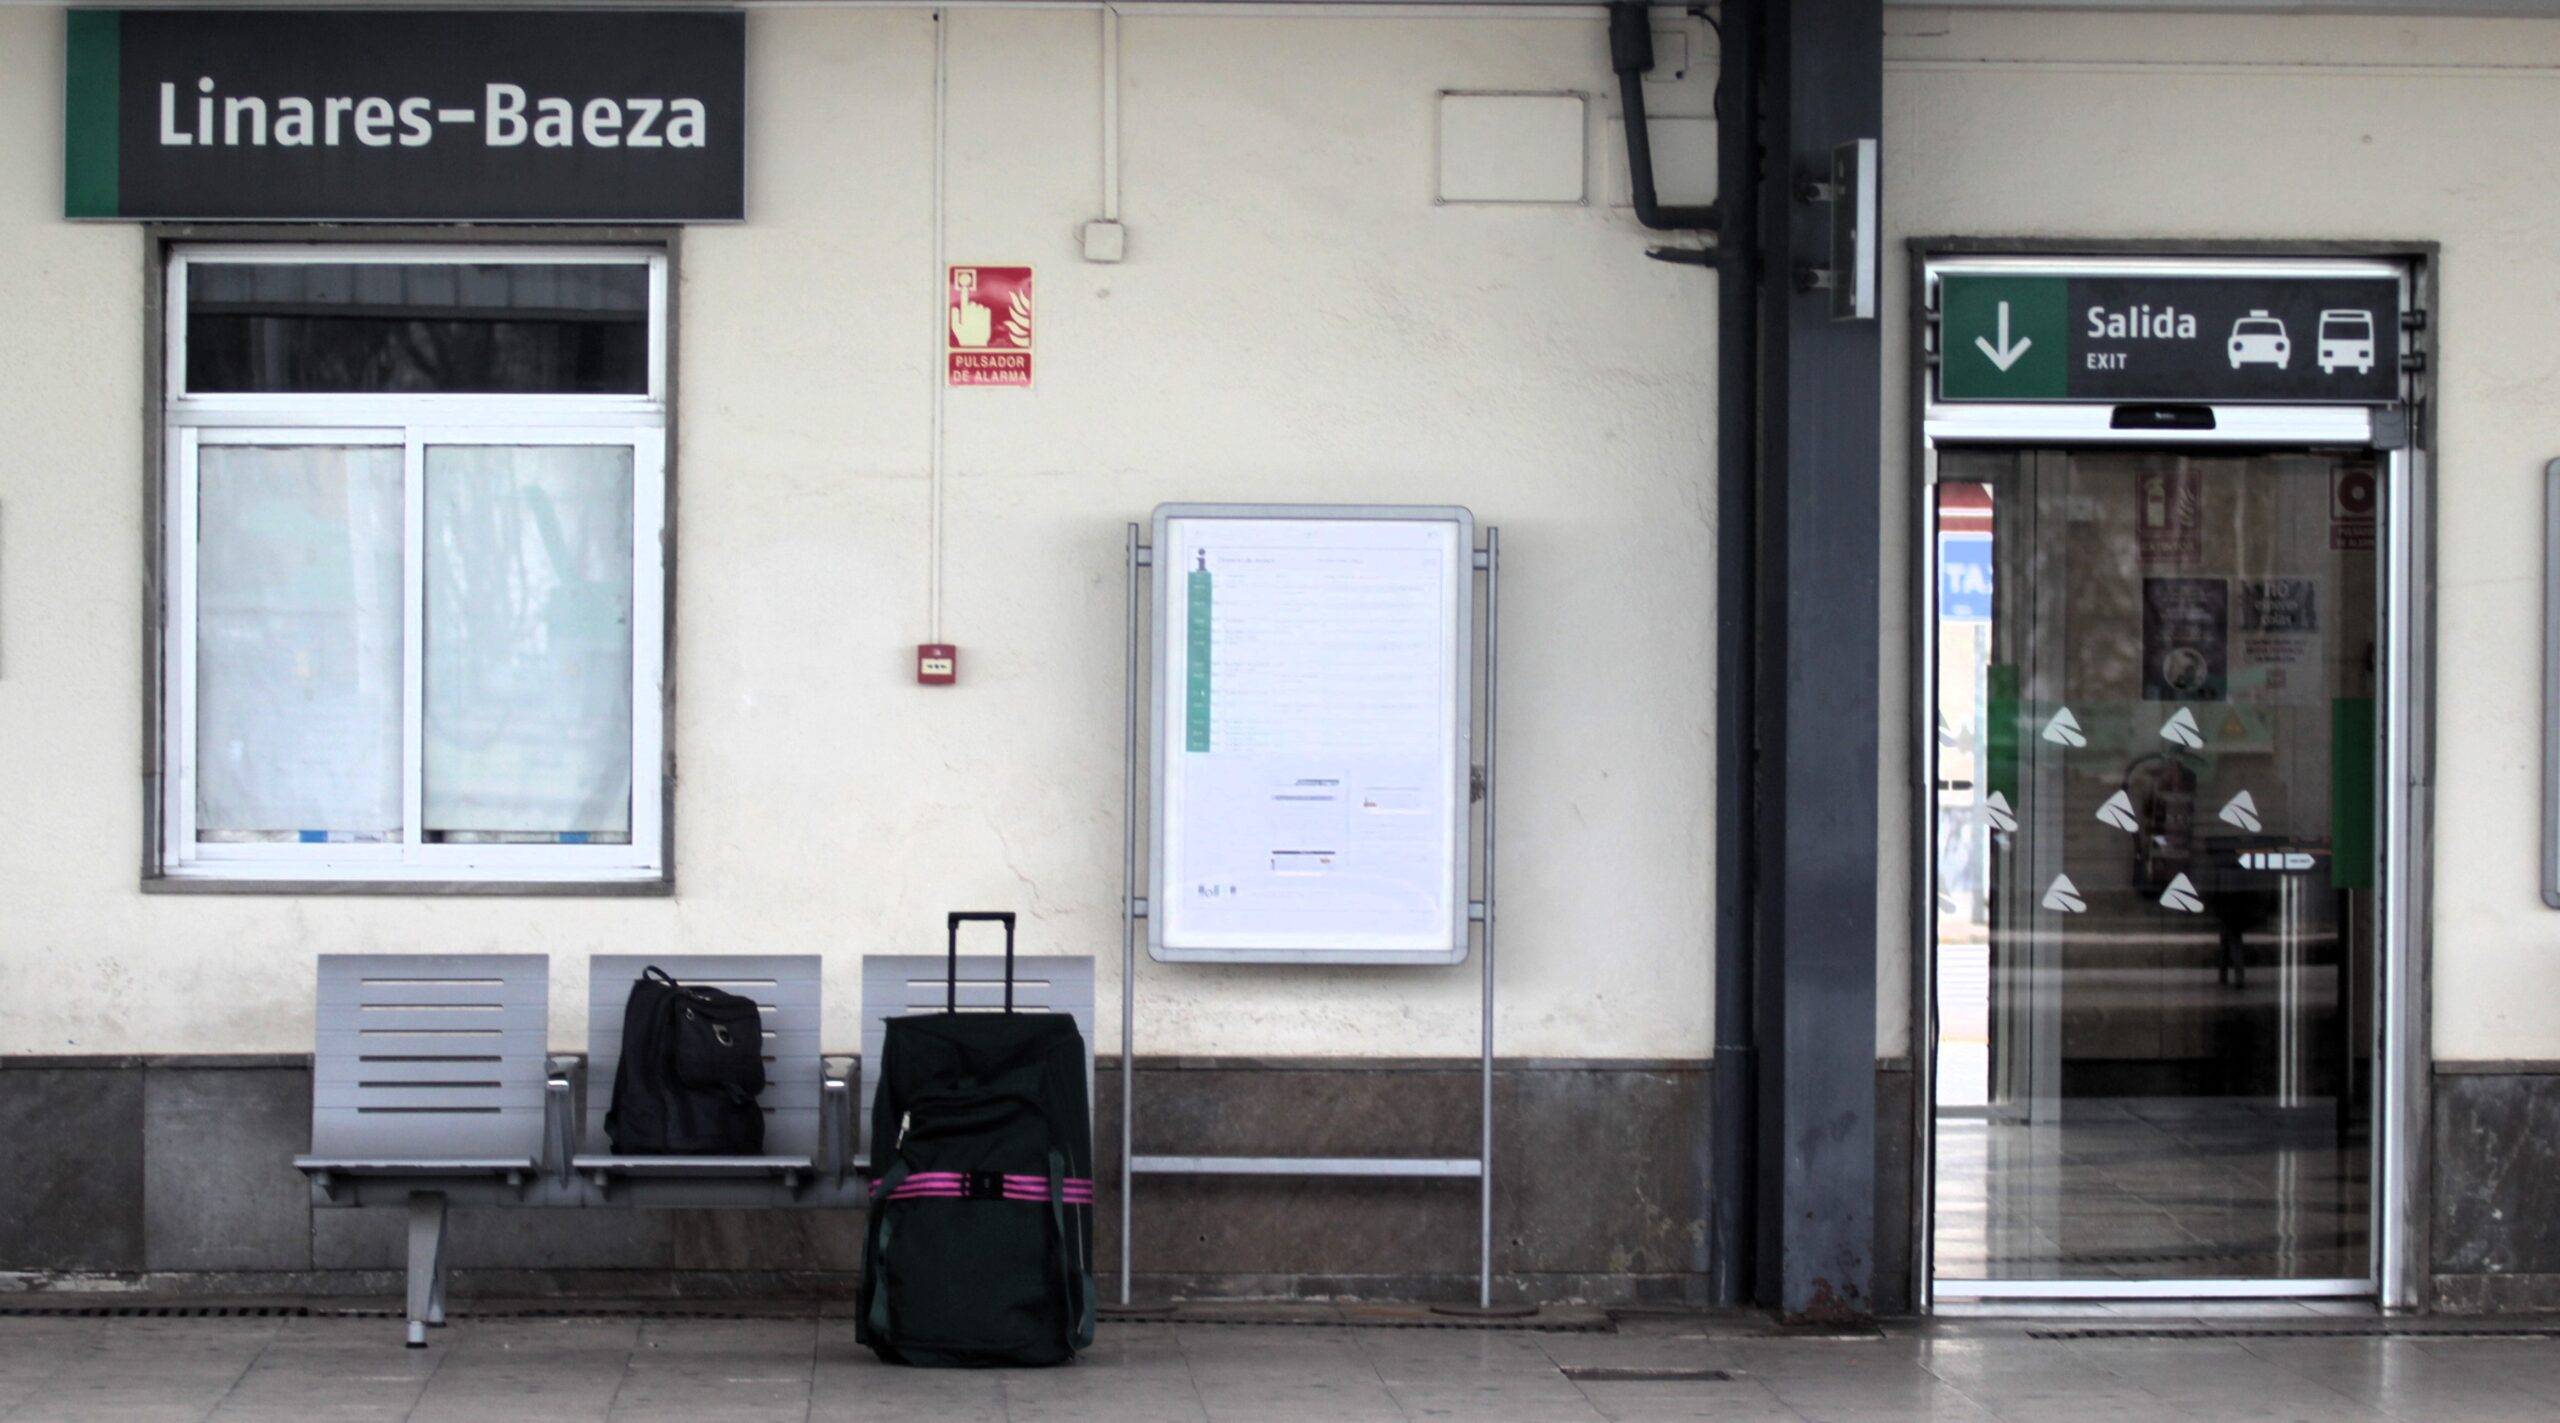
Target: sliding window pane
x=298 y=644
x=528 y=643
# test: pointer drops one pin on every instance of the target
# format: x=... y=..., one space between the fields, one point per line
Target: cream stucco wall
x=2071 y=125
x=1296 y=321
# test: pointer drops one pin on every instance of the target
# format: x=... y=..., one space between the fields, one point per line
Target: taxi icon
x=2258 y=339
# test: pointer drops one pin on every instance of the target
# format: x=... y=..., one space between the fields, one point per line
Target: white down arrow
x=2004 y=355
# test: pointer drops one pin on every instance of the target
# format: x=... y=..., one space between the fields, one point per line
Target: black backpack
x=692 y=1064
x=980 y=1242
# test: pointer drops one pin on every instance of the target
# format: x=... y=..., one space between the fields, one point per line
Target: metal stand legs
x=1488 y=562
x=426 y=1264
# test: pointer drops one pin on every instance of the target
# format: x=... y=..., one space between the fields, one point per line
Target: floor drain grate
x=570 y=1312
x=575 y=1312
x=1621 y=1373
x=2376 y=1330
x=1472 y=1326
x=155 y=1311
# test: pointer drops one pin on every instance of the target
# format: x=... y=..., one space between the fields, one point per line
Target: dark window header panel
x=365 y=328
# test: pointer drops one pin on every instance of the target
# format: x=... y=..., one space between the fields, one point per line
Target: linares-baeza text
x=507 y=118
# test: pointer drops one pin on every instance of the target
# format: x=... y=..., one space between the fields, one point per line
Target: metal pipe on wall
x=1492 y=786
x=1730 y=1132
x=1631 y=58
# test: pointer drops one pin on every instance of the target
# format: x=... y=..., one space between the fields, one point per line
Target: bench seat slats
x=424 y=1099
x=1050 y=992
x=778 y=1095
x=433 y=1135
x=388 y=1166
x=481 y=1020
x=330 y=1070
x=694 y=1165
x=369 y=1105
x=782 y=1017
x=350 y=1043
x=414 y=989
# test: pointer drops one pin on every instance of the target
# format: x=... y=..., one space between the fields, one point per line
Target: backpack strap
x=1075 y=1276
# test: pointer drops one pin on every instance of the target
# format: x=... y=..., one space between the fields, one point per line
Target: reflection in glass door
x=2156 y=868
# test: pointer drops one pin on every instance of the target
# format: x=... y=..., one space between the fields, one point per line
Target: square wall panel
x=1512 y=148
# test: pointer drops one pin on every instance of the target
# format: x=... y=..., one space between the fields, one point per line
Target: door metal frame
x=2400 y=1198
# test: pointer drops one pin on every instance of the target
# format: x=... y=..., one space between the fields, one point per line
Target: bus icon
x=2346 y=339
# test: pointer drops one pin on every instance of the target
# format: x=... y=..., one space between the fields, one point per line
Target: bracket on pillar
x=1850 y=191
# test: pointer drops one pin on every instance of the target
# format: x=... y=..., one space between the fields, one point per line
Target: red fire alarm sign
x=989 y=325
x=937 y=664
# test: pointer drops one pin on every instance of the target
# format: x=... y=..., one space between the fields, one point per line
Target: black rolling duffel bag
x=980 y=1239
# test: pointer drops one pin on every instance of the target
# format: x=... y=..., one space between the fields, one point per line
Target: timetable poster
x=1312 y=751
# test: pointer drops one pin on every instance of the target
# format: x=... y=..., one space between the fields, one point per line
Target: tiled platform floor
x=702 y=1370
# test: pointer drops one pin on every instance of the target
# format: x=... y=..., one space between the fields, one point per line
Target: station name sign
x=2295 y=340
x=406 y=115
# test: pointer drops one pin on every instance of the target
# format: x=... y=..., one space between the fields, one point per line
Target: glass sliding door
x=2153 y=978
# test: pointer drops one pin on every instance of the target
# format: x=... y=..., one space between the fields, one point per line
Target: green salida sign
x=2317 y=339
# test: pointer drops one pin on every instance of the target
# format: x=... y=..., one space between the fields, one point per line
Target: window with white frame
x=415 y=572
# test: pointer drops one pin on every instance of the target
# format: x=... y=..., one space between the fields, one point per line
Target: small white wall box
x=1104 y=241
x=1512 y=148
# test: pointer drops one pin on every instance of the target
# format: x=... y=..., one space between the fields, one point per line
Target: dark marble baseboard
x=1895 y=1208
x=2496 y=1190
x=1594 y=1180
x=746 y=1286
x=175 y=1174
x=1671 y=1291
x=177 y=1170
x=2498 y=1067
x=463 y=1284
x=2495 y=1294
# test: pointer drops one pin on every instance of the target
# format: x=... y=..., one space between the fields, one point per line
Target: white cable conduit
x=941 y=320
x=1110 y=113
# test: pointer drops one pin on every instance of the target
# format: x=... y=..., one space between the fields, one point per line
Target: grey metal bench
x=431 y=1082
x=894 y=984
x=432 y=1086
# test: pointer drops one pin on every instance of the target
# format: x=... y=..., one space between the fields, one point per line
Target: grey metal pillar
x=1819 y=706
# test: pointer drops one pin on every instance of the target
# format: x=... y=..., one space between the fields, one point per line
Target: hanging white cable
x=1103 y=239
x=1110 y=113
x=941 y=324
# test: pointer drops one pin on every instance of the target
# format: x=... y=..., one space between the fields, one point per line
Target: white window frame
x=413 y=423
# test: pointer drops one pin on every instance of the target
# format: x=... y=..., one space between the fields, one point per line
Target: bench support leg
x=426 y=1264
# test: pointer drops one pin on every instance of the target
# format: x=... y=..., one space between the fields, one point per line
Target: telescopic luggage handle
x=951 y=983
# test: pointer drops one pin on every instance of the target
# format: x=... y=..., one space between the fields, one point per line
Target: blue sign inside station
x=1964 y=577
